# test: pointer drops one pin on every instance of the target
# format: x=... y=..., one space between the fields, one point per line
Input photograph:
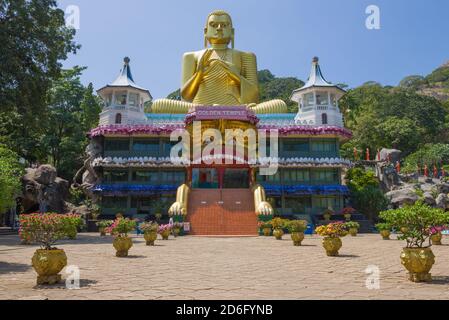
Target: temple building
x=138 y=178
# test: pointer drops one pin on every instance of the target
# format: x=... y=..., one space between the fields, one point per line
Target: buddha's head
x=218 y=29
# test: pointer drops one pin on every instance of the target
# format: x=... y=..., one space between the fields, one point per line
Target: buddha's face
x=219 y=29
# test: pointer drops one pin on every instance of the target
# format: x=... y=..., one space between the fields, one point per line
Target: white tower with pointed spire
x=123 y=100
x=318 y=100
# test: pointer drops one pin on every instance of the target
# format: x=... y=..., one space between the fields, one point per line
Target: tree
x=430 y=154
x=412 y=82
x=64 y=136
x=90 y=109
x=10 y=173
x=33 y=39
x=366 y=194
x=175 y=95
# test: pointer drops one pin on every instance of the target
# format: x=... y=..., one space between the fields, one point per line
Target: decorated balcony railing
x=125 y=189
x=303 y=189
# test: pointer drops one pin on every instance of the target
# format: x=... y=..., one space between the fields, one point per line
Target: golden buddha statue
x=219 y=75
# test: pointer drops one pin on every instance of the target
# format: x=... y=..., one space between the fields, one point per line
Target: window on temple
x=324 y=118
x=116 y=145
x=333 y=100
x=323 y=203
x=296 y=176
x=271 y=179
x=114 y=176
x=295 y=145
x=173 y=177
x=297 y=205
x=118 y=203
x=133 y=99
x=309 y=99
x=151 y=147
x=145 y=176
x=166 y=148
x=120 y=98
x=324 y=146
x=325 y=176
x=322 y=98
x=118 y=118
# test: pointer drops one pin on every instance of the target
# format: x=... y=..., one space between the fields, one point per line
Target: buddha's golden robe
x=217 y=87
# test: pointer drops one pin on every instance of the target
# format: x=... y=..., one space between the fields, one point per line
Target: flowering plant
x=297 y=225
x=120 y=227
x=437 y=229
x=352 y=225
x=383 y=226
x=416 y=222
x=164 y=227
x=278 y=223
x=104 y=223
x=147 y=227
x=45 y=228
x=332 y=230
x=73 y=221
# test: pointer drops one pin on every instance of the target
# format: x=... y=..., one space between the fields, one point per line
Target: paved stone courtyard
x=224 y=269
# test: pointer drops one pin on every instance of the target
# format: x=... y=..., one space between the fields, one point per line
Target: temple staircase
x=222 y=212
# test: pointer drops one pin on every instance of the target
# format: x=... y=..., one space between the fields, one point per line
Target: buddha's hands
x=204 y=62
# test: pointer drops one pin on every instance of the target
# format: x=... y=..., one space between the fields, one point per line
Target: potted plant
x=353 y=227
x=332 y=233
x=420 y=219
x=436 y=235
x=46 y=229
x=327 y=214
x=119 y=229
x=164 y=230
x=103 y=225
x=176 y=228
x=384 y=230
x=348 y=212
x=265 y=226
x=297 y=228
x=149 y=230
x=73 y=222
x=278 y=224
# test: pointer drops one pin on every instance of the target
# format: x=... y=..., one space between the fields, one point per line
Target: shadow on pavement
x=6 y=267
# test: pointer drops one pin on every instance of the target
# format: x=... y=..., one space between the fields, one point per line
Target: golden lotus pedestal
x=150 y=237
x=332 y=245
x=297 y=238
x=48 y=264
x=122 y=246
x=418 y=262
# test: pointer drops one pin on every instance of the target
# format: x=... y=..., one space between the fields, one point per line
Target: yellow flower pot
x=436 y=239
x=347 y=216
x=278 y=233
x=327 y=216
x=48 y=264
x=165 y=234
x=297 y=238
x=418 y=262
x=266 y=232
x=150 y=237
x=385 y=234
x=102 y=232
x=353 y=232
x=122 y=246
x=332 y=245
x=404 y=229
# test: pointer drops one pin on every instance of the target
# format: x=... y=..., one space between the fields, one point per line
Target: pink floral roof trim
x=127 y=130
x=308 y=130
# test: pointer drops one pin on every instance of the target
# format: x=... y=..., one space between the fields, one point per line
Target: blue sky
x=284 y=34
